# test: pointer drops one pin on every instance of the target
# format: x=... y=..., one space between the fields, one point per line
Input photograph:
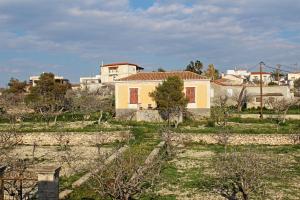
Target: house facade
x=255 y=77
x=238 y=72
x=91 y=83
x=293 y=76
x=251 y=93
x=132 y=92
x=111 y=72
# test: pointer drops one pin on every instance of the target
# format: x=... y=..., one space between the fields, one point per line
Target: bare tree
x=240 y=98
x=13 y=108
x=8 y=141
x=88 y=102
x=221 y=111
x=242 y=175
x=126 y=177
x=281 y=107
x=223 y=138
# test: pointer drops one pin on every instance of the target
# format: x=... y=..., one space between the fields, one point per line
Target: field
x=188 y=173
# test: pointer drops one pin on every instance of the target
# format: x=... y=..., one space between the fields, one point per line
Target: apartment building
x=111 y=72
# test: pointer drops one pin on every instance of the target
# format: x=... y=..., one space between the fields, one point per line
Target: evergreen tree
x=48 y=96
x=170 y=99
x=195 y=67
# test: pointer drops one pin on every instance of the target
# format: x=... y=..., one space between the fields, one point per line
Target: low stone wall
x=73 y=138
x=235 y=139
x=126 y=114
x=199 y=113
x=154 y=116
x=257 y=116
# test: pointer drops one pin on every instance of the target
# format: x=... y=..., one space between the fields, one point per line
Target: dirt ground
x=72 y=160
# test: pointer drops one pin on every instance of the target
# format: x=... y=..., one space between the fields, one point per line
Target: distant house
x=132 y=93
x=238 y=72
x=234 y=79
x=90 y=83
x=222 y=88
x=293 y=76
x=255 y=77
x=59 y=79
x=111 y=72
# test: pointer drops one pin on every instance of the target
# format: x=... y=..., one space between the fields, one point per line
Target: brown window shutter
x=190 y=94
x=133 y=95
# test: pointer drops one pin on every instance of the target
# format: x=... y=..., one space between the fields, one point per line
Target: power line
x=277 y=69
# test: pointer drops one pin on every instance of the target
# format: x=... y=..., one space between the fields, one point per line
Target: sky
x=72 y=37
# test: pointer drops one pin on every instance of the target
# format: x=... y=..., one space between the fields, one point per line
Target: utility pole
x=278 y=72
x=261 y=89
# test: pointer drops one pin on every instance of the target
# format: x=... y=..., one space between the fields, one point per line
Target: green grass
x=145 y=139
x=66 y=182
x=196 y=179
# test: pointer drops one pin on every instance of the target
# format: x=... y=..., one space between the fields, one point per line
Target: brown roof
x=121 y=63
x=254 y=73
x=185 y=75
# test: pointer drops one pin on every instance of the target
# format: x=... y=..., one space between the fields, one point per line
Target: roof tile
x=185 y=75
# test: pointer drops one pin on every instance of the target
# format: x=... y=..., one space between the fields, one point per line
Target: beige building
x=111 y=72
x=132 y=93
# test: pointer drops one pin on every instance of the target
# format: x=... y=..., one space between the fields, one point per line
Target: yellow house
x=132 y=93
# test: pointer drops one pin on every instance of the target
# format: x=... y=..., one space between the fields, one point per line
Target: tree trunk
x=284 y=115
x=55 y=118
x=100 y=118
x=240 y=100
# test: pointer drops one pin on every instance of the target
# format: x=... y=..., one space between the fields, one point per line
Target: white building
x=266 y=77
x=91 y=83
x=60 y=79
x=111 y=72
x=238 y=72
x=293 y=76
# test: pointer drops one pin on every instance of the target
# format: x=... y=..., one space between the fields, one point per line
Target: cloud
x=170 y=33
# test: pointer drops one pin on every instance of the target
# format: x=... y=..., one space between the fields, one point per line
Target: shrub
x=210 y=123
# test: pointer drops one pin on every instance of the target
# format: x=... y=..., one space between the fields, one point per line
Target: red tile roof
x=255 y=73
x=121 y=63
x=185 y=75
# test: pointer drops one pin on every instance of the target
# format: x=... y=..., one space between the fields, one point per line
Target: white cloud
x=225 y=32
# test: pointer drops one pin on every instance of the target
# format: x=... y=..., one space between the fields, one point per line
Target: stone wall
x=257 y=116
x=199 y=113
x=235 y=139
x=126 y=114
x=74 y=138
x=154 y=115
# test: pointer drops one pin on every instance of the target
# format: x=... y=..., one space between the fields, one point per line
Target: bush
x=210 y=123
